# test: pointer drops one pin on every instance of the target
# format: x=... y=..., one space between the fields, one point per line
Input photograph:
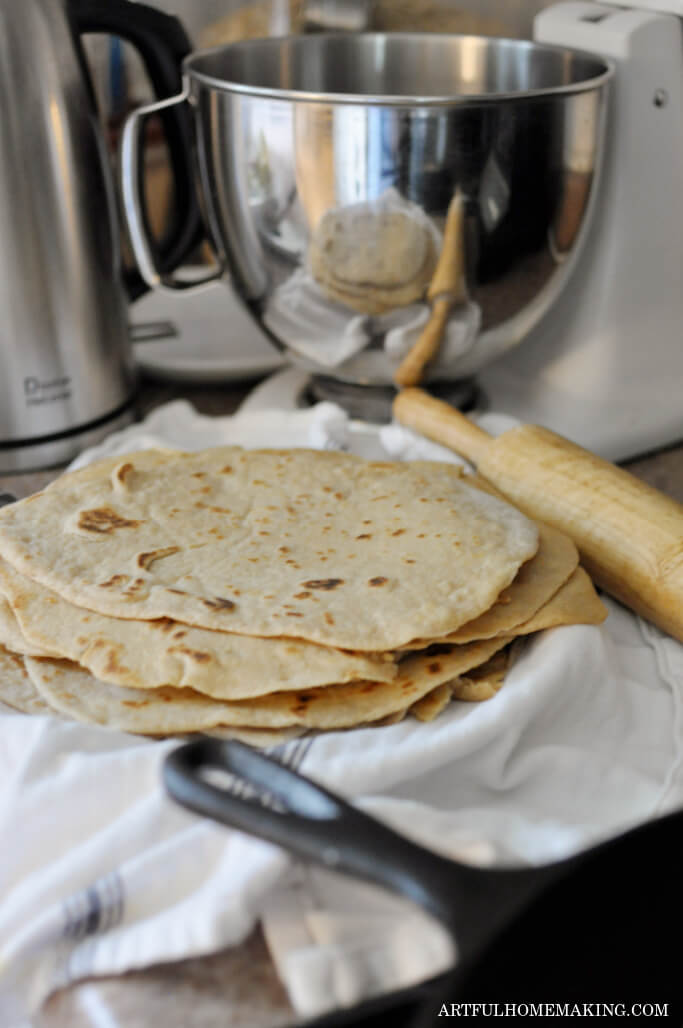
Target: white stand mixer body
x=605 y=365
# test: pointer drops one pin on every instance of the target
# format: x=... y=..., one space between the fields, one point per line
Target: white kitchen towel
x=100 y=872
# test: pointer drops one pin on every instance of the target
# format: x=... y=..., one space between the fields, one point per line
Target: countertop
x=239 y=986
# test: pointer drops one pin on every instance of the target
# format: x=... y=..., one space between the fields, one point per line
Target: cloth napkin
x=101 y=873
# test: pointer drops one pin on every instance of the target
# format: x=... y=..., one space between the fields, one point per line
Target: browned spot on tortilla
x=329 y=618
x=112 y=666
x=145 y=560
x=380 y=580
x=134 y=703
x=283 y=549
x=301 y=596
x=294 y=614
x=178 y=592
x=179 y=635
x=434 y=667
x=227 y=470
x=369 y=686
x=103 y=520
x=199 y=474
x=220 y=510
x=365 y=535
x=135 y=587
x=323 y=583
x=408 y=560
x=407 y=684
x=399 y=531
x=114 y=581
x=197 y=655
x=122 y=471
x=219 y=603
x=164 y=624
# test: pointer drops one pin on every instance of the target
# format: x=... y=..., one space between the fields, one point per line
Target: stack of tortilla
x=263 y=594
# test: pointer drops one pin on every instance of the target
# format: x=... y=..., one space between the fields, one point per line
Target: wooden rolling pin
x=629 y=535
x=446 y=290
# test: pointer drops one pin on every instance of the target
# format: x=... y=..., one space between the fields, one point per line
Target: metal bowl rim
x=390 y=100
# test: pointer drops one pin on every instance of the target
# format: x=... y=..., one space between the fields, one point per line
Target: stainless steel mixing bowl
x=288 y=129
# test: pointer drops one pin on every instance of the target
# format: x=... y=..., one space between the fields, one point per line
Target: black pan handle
x=275 y=803
x=163 y=44
x=6 y=499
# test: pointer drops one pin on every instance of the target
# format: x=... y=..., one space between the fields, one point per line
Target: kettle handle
x=162 y=44
x=153 y=273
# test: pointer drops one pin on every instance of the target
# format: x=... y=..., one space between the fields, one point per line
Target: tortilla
x=323 y=546
x=482 y=683
x=535 y=583
x=168 y=710
x=431 y=705
x=575 y=603
x=372 y=260
x=17 y=689
x=149 y=654
x=12 y=637
x=262 y=738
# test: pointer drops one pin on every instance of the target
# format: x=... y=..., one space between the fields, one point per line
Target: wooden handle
x=442 y=423
x=446 y=288
x=448 y=275
x=629 y=535
x=411 y=368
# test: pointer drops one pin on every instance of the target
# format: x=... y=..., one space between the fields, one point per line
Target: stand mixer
x=605 y=365
x=573 y=256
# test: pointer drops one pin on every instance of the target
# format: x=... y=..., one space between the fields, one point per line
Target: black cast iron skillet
x=603 y=926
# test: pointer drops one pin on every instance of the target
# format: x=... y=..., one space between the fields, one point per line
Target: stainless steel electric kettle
x=66 y=370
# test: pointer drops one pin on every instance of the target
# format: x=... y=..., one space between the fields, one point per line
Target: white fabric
x=100 y=872
x=329 y=333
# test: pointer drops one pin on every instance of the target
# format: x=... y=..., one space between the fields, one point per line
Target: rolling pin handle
x=439 y=421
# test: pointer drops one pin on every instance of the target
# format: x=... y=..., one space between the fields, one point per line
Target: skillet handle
x=269 y=800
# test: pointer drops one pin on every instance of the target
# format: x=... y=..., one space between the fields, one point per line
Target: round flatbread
x=166 y=711
x=535 y=583
x=149 y=654
x=349 y=553
x=12 y=637
x=16 y=687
